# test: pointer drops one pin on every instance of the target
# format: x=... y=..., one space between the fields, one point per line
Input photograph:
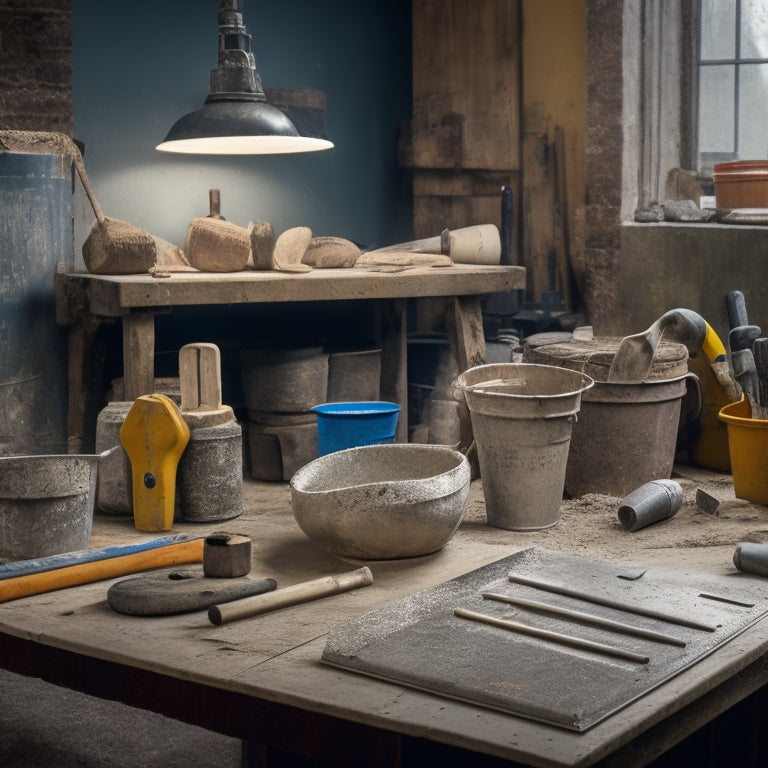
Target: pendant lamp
x=236 y=118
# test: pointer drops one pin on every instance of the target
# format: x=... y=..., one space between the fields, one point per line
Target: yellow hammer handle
x=85 y=573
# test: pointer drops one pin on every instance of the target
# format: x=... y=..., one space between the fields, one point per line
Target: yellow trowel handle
x=154 y=436
x=714 y=351
x=712 y=347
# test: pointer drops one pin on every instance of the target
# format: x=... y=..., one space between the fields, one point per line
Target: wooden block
x=200 y=377
x=226 y=556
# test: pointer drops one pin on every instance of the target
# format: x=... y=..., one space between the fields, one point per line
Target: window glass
x=754 y=29
x=753 y=126
x=716 y=103
x=732 y=81
x=718 y=29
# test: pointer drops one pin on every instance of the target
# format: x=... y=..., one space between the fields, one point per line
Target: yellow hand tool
x=154 y=436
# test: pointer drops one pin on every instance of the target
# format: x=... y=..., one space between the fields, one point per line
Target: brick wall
x=35 y=66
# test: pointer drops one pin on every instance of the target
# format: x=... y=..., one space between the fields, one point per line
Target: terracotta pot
x=741 y=184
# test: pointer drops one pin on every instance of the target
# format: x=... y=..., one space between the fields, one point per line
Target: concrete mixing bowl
x=46 y=504
x=381 y=502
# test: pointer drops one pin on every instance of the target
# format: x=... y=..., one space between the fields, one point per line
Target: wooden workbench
x=262 y=679
x=84 y=301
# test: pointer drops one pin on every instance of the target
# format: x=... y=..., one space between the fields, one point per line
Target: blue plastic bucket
x=350 y=425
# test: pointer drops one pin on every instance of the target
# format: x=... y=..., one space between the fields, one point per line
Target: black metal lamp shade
x=236 y=118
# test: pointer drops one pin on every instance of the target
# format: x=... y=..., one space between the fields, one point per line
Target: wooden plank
x=538 y=214
x=466 y=95
x=560 y=226
x=138 y=354
x=394 y=361
x=272 y=662
x=112 y=295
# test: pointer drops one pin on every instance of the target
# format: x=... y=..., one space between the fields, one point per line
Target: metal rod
x=597 y=600
x=556 y=637
x=590 y=618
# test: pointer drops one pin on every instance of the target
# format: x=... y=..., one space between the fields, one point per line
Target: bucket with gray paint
x=522 y=417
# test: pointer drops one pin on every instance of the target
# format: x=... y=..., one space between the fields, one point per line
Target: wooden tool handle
x=85 y=573
x=298 y=593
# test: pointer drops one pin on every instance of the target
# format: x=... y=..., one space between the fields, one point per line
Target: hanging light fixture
x=236 y=118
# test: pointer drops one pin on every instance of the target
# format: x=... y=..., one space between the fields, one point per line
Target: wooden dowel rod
x=298 y=593
x=557 y=637
x=608 y=603
x=590 y=618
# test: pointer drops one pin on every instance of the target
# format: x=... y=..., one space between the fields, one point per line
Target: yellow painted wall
x=554 y=81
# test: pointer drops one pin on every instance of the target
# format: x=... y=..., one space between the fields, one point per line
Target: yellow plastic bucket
x=748 y=446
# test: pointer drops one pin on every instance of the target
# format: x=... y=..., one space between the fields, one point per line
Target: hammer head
x=226 y=556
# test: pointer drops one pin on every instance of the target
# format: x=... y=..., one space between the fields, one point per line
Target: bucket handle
x=693 y=388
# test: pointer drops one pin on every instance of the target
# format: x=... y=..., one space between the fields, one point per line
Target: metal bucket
x=46 y=504
x=625 y=436
x=522 y=416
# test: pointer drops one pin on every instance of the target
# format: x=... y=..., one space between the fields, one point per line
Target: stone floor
x=44 y=725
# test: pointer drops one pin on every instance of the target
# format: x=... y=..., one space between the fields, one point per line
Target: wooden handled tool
x=85 y=573
x=51 y=562
x=477 y=244
x=298 y=593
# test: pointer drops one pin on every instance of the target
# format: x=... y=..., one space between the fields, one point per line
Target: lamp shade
x=236 y=118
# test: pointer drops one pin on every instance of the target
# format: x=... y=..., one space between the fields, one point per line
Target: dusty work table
x=84 y=301
x=261 y=679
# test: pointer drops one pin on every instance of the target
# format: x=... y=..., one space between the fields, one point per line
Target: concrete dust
x=590 y=525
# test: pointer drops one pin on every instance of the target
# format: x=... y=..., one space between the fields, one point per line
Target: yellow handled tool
x=154 y=435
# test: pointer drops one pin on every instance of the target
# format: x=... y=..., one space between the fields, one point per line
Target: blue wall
x=136 y=72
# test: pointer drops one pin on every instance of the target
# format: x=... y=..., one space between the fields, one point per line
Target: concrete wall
x=664 y=266
x=138 y=66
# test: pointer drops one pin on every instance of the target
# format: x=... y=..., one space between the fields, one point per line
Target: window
x=732 y=68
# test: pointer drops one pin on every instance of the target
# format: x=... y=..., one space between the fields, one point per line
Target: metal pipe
x=650 y=503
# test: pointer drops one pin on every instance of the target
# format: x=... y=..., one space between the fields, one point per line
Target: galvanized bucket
x=625 y=436
x=522 y=417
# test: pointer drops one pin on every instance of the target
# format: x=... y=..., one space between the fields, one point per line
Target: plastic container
x=355 y=424
x=741 y=184
x=522 y=418
x=748 y=445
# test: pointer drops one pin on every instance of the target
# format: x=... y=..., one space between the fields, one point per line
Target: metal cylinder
x=36 y=222
x=650 y=503
x=751 y=557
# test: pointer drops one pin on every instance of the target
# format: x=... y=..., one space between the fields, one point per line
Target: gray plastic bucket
x=522 y=416
x=625 y=436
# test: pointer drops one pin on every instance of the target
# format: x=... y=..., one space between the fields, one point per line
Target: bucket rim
x=356 y=408
x=740 y=421
x=454 y=473
x=587 y=381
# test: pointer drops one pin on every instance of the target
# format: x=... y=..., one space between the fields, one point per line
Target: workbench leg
x=85 y=364
x=393 y=317
x=138 y=353
x=464 y=321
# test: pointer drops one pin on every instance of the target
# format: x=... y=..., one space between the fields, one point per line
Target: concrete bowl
x=381 y=502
